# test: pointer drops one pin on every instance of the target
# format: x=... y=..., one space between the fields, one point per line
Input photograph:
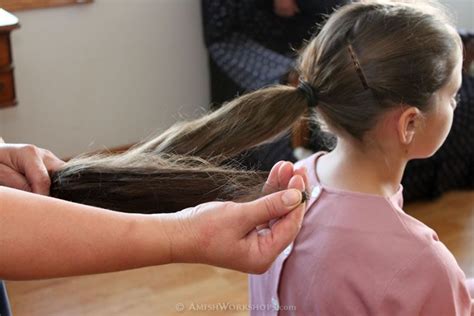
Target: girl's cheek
x=447 y=122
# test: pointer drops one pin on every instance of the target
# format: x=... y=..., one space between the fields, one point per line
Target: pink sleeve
x=430 y=284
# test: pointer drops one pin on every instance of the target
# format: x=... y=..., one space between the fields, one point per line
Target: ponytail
x=188 y=163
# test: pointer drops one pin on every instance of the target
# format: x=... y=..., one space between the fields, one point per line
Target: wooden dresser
x=8 y=22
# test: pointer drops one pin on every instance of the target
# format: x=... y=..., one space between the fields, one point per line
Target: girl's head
x=386 y=71
x=383 y=72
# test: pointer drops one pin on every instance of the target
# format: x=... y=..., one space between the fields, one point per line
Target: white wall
x=463 y=11
x=105 y=74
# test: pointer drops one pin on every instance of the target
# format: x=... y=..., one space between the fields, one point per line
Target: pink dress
x=360 y=254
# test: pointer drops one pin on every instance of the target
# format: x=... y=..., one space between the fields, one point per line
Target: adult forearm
x=42 y=237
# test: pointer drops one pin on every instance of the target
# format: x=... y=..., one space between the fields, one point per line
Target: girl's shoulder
x=430 y=283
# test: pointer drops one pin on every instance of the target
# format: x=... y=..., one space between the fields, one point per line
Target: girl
x=384 y=79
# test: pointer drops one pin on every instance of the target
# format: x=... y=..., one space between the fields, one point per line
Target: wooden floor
x=161 y=290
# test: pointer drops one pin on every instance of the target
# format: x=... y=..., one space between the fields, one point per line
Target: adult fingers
x=52 y=162
x=278 y=177
x=38 y=177
x=270 y=207
x=271 y=242
x=267 y=245
x=284 y=175
x=31 y=162
x=297 y=182
x=271 y=184
x=284 y=231
x=303 y=172
x=13 y=179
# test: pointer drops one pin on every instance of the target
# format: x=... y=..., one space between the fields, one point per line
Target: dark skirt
x=4 y=304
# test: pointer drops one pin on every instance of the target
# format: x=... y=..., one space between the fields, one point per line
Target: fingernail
x=291 y=197
x=263 y=232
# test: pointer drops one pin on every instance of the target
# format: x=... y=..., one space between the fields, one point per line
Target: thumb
x=13 y=179
x=272 y=206
x=37 y=175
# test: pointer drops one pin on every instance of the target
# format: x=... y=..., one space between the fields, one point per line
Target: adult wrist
x=182 y=244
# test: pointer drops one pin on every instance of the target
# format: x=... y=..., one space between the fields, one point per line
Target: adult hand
x=224 y=233
x=285 y=8
x=279 y=179
x=27 y=167
x=81 y=239
x=280 y=176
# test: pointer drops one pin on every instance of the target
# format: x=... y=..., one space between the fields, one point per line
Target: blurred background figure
x=252 y=43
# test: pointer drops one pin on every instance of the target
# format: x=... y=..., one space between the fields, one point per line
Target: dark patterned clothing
x=250 y=46
x=4 y=304
x=248 y=63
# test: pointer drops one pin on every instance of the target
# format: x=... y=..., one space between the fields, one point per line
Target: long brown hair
x=367 y=58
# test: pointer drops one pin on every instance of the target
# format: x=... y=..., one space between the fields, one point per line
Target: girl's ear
x=407 y=124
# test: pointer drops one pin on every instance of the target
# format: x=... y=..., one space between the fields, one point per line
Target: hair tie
x=309 y=92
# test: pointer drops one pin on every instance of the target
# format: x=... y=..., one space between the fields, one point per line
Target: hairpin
x=357 y=66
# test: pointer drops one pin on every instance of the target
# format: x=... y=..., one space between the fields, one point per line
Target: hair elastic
x=309 y=92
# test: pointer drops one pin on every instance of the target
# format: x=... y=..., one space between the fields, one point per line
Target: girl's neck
x=371 y=171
